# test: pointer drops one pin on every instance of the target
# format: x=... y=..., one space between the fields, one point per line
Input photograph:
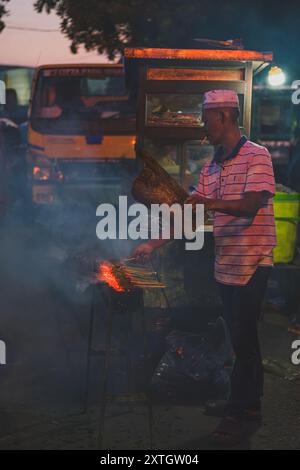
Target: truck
x=81 y=134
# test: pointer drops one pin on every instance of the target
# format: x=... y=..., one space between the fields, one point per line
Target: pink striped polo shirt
x=241 y=243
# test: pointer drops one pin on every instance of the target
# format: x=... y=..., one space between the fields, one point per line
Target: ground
x=44 y=321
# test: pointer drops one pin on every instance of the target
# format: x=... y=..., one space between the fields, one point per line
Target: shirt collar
x=233 y=152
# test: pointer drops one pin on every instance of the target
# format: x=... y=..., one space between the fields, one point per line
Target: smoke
x=44 y=316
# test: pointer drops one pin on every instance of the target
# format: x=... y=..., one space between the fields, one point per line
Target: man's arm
x=260 y=185
x=245 y=207
x=143 y=252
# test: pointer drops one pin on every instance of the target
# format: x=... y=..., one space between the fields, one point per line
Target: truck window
x=78 y=100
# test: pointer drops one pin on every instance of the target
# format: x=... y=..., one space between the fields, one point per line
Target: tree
x=110 y=25
x=3 y=11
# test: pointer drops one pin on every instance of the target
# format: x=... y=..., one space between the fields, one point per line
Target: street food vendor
x=237 y=185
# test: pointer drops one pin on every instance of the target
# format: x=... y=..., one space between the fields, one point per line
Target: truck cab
x=81 y=133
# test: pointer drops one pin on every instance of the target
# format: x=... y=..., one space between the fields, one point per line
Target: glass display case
x=182 y=161
x=173 y=110
x=170 y=84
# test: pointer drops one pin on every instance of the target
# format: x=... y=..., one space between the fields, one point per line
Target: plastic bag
x=195 y=366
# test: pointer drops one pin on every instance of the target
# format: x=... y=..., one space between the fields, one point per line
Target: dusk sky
x=32 y=48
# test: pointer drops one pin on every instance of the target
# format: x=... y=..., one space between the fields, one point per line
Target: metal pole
x=89 y=350
x=107 y=360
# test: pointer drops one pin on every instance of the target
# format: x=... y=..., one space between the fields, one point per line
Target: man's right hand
x=143 y=252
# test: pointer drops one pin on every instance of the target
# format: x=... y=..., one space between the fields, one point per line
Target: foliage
x=3 y=11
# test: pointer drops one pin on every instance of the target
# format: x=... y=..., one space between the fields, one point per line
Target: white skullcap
x=220 y=99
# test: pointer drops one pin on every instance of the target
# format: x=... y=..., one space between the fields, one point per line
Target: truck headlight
x=41 y=173
x=45 y=169
x=41 y=169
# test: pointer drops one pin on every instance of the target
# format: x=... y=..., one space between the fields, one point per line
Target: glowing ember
x=180 y=351
x=124 y=278
x=106 y=274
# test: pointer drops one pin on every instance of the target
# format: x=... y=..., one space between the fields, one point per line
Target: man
x=237 y=185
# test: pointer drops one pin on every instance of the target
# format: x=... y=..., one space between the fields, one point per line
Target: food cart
x=169 y=84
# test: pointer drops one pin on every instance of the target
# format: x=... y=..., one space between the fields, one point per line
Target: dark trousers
x=242 y=307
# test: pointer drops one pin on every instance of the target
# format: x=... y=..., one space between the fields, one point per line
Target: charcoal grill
x=123 y=285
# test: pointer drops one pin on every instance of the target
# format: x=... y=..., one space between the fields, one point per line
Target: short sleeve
x=260 y=175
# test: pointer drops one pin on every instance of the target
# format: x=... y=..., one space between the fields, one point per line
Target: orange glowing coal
x=106 y=274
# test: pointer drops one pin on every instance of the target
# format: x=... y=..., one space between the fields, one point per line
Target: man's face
x=213 y=125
